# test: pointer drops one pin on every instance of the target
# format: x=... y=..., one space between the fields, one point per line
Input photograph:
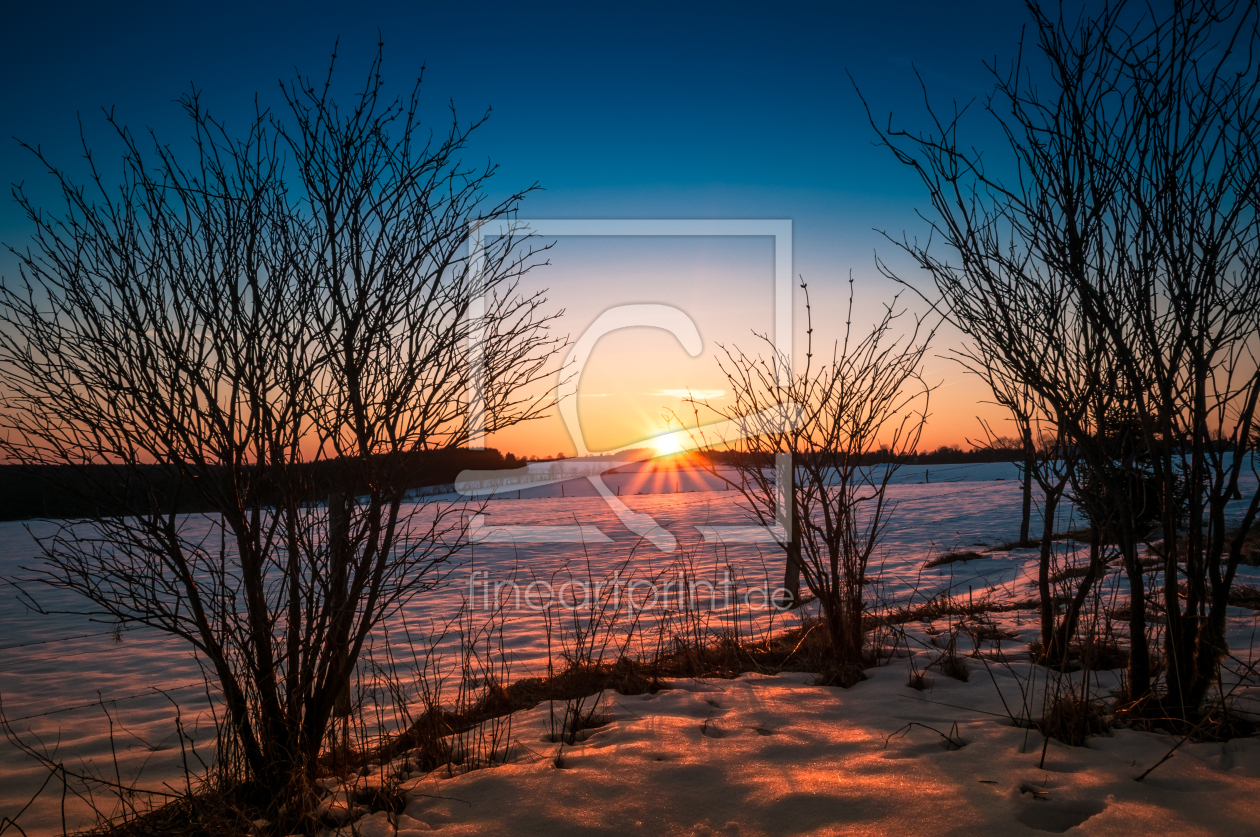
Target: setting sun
x=666 y=445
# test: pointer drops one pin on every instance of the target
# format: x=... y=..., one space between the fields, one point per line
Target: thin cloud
x=699 y=394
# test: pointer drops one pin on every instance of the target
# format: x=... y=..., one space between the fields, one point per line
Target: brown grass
x=1068 y=573
x=943 y=605
x=1121 y=614
x=1215 y=723
x=805 y=649
x=952 y=558
x=951 y=664
x=1245 y=595
x=1071 y=719
x=1250 y=547
x=982 y=629
x=206 y=813
x=1091 y=656
x=1071 y=535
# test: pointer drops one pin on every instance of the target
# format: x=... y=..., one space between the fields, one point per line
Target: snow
x=775 y=755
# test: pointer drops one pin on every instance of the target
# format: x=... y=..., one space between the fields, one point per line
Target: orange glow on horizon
x=637 y=383
x=953 y=422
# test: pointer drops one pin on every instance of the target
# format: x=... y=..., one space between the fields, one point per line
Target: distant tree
x=298 y=294
x=1114 y=267
x=869 y=397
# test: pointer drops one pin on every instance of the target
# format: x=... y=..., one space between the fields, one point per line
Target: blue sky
x=709 y=109
x=632 y=110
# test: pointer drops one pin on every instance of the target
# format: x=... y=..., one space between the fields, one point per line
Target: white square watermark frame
x=777 y=228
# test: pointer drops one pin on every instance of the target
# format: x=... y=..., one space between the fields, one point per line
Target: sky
x=628 y=111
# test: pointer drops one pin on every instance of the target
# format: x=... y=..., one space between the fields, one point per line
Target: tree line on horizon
x=66 y=492
x=63 y=492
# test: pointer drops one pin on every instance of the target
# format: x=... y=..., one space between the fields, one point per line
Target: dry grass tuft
x=943 y=604
x=1071 y=719
x=952 y=558
x=206 y=813
x=1122 y=614
x=1095 y=655
x=1245 y=595
x=952 y=665
x=1251 y=548
x=385 y=797
x=1068 y=573
x=1071 y=535
x=844 y=675
x=981 y=628
x=1217 y=721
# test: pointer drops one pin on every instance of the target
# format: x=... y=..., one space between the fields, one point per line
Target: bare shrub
x=815 y=454
x=273 y=332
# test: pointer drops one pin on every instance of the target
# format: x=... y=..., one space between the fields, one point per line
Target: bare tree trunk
x=1139 y=673
x=339 y=558
x=1043 y=576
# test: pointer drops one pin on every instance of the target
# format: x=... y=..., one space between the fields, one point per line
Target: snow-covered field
x=757 y=755
x=777 y=756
